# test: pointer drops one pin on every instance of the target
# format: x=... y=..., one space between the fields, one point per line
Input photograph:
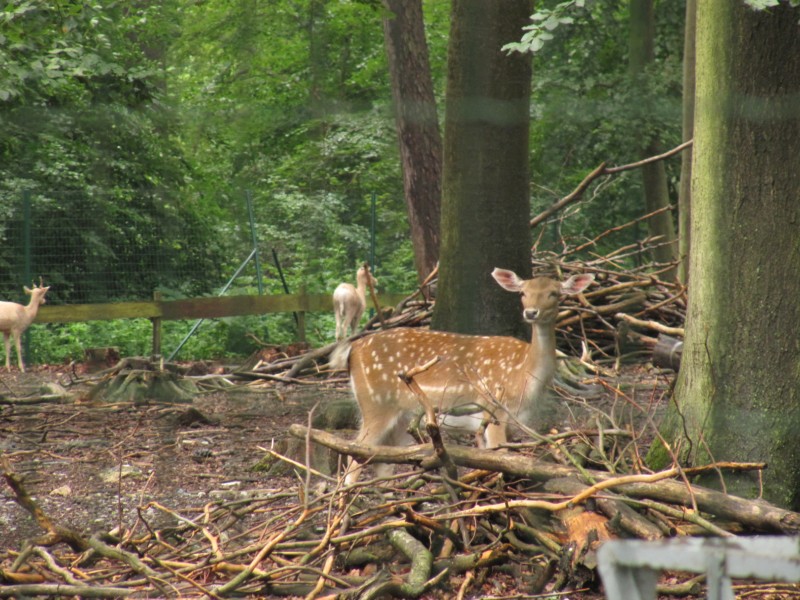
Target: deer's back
x=468 y=367
x=344 y=291
x=12 y=315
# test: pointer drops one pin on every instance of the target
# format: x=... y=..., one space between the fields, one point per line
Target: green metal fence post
x=372 y=264
x=27 y=260
x=253 y=235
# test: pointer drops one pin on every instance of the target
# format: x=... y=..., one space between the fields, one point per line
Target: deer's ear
x=508 y=280
x=577 y=283
x=28 y=290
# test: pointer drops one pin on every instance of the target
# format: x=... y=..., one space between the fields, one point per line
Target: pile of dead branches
x=456 y=522
x=620 y=317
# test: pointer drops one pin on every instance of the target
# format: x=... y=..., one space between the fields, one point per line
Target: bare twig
x=599 y=172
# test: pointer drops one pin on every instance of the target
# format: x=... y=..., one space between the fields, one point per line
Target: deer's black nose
x=531 y=314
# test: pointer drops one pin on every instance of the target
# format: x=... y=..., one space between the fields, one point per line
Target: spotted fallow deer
x=16 y=318
x=349 y=303
x=495 y=376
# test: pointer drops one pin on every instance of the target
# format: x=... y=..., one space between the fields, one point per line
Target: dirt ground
x=71 y=453
x=96 y=467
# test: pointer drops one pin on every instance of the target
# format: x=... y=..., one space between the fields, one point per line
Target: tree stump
x=97 y=359
x=334 y=415
x=139 y=381
x=668 y=352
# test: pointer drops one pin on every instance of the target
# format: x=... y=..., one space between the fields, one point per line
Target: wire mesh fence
x=95 y=247
x=107 y=247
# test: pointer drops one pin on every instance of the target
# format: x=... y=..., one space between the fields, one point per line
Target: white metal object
x=629 y=568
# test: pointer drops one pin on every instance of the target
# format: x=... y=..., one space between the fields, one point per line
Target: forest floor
x=71 y=452
x=98 y=467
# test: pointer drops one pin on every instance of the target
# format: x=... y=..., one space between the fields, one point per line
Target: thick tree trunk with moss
x=417 y=127
x=485 y=189
x=656 y=192
x=738 y=391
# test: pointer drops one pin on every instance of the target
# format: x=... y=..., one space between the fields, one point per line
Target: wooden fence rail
x=197 y=308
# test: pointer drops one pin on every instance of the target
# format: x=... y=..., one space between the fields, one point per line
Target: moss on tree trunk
x=738 y=391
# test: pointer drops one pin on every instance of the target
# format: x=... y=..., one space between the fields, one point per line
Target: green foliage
x=586 y=111
x=544 y=22
x=215 y=339
x=152 y=119
x=88 y=138
x=765 y=4
x=296 y=108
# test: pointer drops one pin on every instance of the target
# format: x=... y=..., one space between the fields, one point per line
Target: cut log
x=668 y=352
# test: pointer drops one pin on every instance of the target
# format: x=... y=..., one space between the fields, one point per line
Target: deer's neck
x=361 y=290
x=543 y=337
x=542 y=356
x=32 y=308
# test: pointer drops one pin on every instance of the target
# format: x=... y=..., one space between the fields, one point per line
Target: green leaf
x=762 y=4
x=551 y=23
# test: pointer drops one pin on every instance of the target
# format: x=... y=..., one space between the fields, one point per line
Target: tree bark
x=738 y=391
x=485 y=189
x=417 y=127
x=656 y=192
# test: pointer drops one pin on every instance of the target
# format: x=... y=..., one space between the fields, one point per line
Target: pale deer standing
x=16 y=318
x=500 y=377
x=349 y=303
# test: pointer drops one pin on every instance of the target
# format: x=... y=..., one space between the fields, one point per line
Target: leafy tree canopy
x=153 y=118
x=585 y=110
x=88 y=136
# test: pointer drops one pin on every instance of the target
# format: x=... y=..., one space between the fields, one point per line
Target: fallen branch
x=60 y=589
x=654 y=325
x=758 y=515
x=54 y=533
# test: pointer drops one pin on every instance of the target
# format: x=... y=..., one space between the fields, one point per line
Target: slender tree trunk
x=656 y=192
x=417 y=127
x=685 y=191
x=485 y=189
x=738 y=391
x=316 y=57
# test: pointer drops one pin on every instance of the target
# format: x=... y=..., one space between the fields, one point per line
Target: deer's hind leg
x=7 y=342
x=381 y=425
x=495 y=434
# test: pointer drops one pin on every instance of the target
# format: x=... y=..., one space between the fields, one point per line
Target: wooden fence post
x=156 y=321
x=301 y=319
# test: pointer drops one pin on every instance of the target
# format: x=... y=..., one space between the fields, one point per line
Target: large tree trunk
x=738 y=391
x=485 y=190
x=656 y=192
x=417 y=127
x=685 y=190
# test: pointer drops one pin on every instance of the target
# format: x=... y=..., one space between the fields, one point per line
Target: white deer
x=16 y=318
x=349 y=302
x=485 y=376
